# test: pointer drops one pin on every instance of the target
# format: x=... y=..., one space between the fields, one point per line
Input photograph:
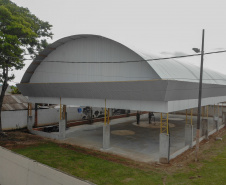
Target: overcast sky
x=169 y=27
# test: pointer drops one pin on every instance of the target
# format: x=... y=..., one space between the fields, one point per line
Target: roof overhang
x=163 y=91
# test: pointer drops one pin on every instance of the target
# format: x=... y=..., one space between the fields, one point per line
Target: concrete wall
x=17 y=170
x=14 y=119
x=18 y=119
x=53 y=115
x=210 y=111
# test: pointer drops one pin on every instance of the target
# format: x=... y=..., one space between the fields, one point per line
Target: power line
x=129 y=61
x=152 y=59
x=99 y=75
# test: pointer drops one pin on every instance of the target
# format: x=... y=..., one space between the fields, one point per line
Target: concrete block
x=164 y=148
x=205 y=128
x=189 y=135
x=218 y=139
x=223 y=117
x=217 y=122
x=215 y=118
x=29 y=123
x=62 y=129
x=106 y=136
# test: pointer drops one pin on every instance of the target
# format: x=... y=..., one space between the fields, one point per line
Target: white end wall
x=14 y=119
x=18 y=119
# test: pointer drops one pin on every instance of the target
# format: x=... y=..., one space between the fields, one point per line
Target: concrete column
x=29 y=123
x=164 y=148
x=216 y=121
x=223 y=117
x=36 y=115
x=205 y=128
x=62 y=129
x=189 y=135
x=106 y=136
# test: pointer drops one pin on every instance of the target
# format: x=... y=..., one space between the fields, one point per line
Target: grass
x=212 y=172
x=88 y=167
x=211 y=169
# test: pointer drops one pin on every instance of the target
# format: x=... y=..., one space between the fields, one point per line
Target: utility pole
x=199 y=100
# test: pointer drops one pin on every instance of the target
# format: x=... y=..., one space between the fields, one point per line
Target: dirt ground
x=21 y=139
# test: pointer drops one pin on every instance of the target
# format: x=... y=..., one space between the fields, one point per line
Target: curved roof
x=88 y=69
x=169 y=69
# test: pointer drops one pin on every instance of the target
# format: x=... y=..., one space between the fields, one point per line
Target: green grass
x=100 y=171
x=88 y=167
x=213 y=172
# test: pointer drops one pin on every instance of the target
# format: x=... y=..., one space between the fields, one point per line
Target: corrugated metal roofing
x=14 y=102
x=166 y=69
x=50 y=75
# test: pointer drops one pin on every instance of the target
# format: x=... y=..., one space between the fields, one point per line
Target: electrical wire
x=128 y=61
x=105 y=76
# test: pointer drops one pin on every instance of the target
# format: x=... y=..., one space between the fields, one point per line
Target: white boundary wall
x=18 y=119
x=14 y=119
x=17 y=170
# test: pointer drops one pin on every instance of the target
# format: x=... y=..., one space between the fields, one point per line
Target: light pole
x=200 y=96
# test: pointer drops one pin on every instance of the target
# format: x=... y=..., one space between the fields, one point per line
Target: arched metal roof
x=169 y=69
x=163 y=85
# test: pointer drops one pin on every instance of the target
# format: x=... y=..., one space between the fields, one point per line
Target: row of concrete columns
x=164 y=138
x=204 y=131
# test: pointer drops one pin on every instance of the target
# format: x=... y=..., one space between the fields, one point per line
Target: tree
x=15 y=90
x=21 y=33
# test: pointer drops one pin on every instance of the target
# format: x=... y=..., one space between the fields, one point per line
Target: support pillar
x=216 y=121
x=62 y=129
x=36 y=115
x=164 y=147
x=189 y=135
x=205 y=128
x=106 y=136
x=65 y=114
x=106 y=129
x=29 y=117
x=223 y=117
x=29 y=123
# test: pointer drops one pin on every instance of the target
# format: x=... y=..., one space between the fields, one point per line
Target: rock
x=218 y=139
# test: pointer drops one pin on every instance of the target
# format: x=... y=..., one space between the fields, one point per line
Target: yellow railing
x=164 y=124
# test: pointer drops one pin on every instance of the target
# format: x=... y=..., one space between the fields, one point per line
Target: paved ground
x=143 y=145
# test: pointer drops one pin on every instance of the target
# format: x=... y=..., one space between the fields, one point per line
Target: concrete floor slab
x=143 y=145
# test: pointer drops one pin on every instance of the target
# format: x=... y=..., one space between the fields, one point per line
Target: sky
x=159 y=27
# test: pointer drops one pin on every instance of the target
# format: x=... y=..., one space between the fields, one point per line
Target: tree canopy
x=21 y=33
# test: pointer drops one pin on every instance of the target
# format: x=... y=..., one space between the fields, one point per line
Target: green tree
x=15 y=90
x=21 y=33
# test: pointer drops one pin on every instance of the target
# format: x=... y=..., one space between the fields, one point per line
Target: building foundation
x=106 y=136
x=164 y=148
x=223 y=117
x=189 y=135
x=205 y=128
x=29 y=122
x=62 y=129
x=216 y=121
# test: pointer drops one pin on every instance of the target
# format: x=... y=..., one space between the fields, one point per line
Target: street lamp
x=200 y=96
